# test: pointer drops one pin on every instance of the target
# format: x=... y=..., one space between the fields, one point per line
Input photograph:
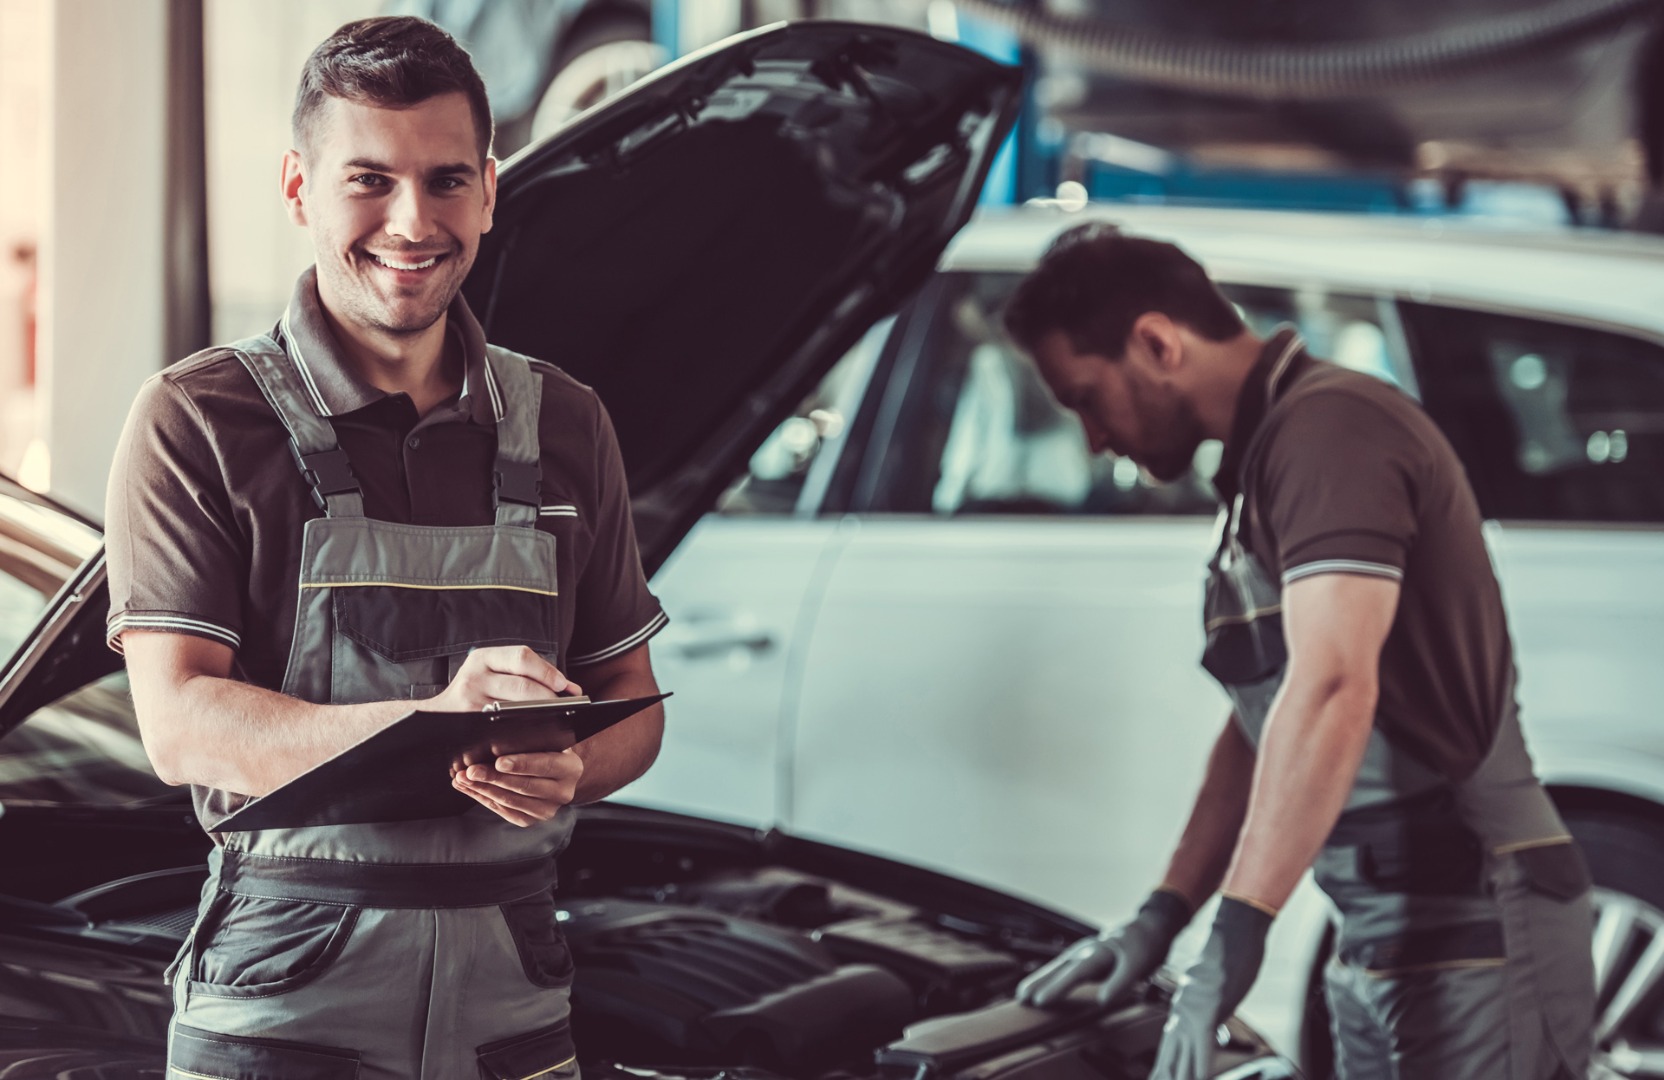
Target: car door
x=1002 y=678
x=1561 y=429
x=741 y=592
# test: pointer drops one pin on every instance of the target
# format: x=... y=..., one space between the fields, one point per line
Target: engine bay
x=711 y=968
x=702 y=951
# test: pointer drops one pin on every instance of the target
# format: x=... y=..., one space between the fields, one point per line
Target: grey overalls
x=1463 y=949
x=402 y=950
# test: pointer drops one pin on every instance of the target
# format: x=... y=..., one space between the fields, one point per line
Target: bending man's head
x=1120 y=328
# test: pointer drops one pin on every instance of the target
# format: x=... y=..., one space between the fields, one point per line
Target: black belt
x=1463 y=945
x=385 y=885
x=1413 y=845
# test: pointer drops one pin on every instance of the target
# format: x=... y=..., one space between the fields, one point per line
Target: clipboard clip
x=496 y=709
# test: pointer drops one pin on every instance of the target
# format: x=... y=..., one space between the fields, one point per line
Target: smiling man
x=1354 y=622
x=369 y=510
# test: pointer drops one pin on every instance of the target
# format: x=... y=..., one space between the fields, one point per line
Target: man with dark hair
x=1354 y=621
x=369 y=510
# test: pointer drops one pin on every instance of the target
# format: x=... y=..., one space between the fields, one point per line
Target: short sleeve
x=1340 y=476
x=176 y=561
x=616 y=610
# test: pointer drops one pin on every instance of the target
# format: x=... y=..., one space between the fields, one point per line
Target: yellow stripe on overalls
x=573 y=1060
x=439 y=588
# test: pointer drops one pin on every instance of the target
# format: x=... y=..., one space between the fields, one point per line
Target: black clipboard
x=403 y=772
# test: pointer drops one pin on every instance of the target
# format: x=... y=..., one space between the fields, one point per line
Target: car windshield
x=83 y=749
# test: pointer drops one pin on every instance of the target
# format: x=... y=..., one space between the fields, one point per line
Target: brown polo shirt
x=1343 y=473
x=206 y=506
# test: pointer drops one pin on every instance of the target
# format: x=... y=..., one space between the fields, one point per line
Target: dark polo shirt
x=206 y=507
x=1350 y=476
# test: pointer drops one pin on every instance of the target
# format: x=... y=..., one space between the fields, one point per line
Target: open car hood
x=704 y=247
x=700 y=250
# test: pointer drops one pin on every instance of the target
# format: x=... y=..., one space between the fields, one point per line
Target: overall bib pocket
x=404 y=624
x=256 y=947
x=546 y=1052
x=544 y=956
x=194 y=1054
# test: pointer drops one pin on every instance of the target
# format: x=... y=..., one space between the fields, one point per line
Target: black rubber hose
x=1314 y=72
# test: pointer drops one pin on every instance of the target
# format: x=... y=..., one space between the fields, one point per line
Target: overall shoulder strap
x=1290 y=364
x=322 y=462
x=516 y=399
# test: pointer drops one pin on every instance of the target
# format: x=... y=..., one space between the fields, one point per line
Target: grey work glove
x=1211 y=990
x=1122 y=957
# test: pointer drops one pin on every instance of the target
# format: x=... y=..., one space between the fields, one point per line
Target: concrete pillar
x=110 y=313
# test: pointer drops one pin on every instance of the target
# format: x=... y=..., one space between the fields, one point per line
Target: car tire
x=1625 y=849
x=605 y=52
x=1626 y=857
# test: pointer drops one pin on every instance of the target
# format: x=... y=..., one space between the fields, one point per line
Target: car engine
x=702 y=952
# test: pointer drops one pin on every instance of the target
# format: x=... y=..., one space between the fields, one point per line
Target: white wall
x=102 y=302
x=23 y=69
x=254 y=53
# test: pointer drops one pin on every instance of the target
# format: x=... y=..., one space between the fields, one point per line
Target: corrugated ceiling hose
x=1311 y=72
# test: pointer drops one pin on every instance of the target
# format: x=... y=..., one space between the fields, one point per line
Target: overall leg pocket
x=194 y=1054
x=1551 y=926
x=255 y=947
x=544 y=956
x=545 y=1053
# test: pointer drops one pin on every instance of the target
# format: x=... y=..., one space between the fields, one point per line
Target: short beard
x=1179 y=428
x=372 y=314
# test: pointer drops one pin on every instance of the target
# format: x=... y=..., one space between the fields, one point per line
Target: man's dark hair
x=1095 y=281
x=392 y=62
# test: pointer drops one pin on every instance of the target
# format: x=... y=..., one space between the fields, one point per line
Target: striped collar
x=333 y=389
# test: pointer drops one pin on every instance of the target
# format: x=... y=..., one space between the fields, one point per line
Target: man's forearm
x=624 y=751
x=1204 y=850
x=1314 y=741
x=226 y=734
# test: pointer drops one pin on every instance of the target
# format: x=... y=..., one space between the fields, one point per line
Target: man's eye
x=368 y=180
x=448 y=183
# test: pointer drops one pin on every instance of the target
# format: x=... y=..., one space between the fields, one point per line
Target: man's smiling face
x=396 y=200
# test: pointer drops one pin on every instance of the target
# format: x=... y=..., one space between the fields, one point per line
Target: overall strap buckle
x=519 y=482
x=326 y=472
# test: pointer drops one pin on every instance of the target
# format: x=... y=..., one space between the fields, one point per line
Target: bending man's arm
x=1319 y=727
x=1210 y=836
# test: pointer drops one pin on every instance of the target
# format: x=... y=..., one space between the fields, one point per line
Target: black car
x=700 y=250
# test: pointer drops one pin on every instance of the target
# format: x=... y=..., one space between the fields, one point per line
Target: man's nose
x=409 y=214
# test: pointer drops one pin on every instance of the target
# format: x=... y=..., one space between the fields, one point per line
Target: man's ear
x=489 y=184
x=1158 y=338
x=293 y=186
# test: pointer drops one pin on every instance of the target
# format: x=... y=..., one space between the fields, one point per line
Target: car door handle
x=716 y=639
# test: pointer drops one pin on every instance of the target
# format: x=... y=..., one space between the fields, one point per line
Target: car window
x=39 y=549
x=787 y=472
x=978 y=433
x=84 y=749
x=1553 y=422
x=1357 y=332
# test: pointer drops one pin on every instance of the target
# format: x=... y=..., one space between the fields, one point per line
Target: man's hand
x=1211 y=990
x=522 y=787
x=1122 y=957
x=501 y=673
x=525 y=787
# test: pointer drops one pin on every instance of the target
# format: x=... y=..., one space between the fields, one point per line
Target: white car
x=930 y=625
